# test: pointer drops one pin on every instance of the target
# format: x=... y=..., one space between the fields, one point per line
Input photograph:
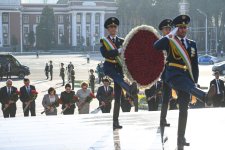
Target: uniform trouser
x=51 y=74
x=46 y=74
x=165 y=103
x=118 y=97
x=63 y=79
x=10 y=111
x=73 y=82
x=92 y=87
x=184 y=87
x=30 y=109
x=116 y=74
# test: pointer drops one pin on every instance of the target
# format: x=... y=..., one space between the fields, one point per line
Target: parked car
x=17 y=68
x=207 y=59
x=219 y=67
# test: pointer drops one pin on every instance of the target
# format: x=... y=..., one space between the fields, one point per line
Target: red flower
x=75 y=98
x=60 y=101
x=144 y=63
x=18 y=92
x=34 y=92
x=92 y=95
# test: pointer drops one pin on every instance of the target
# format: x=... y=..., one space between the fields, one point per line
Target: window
x=26 y=19
x=5 y=28
x=88 y=18
x=5 y=31
x=38 y=18
x=25 y=29
x=5 y=18
x=78 y=18
x=60 y=19
x=60 y=33
x=78 y=30
x=97 y=18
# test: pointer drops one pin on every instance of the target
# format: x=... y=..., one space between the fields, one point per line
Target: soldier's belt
x=111 y=61
x=184 y=67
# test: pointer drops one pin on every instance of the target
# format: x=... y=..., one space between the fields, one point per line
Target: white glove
x=120 y=50
x=172 y=33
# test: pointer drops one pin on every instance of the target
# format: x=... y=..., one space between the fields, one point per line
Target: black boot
x=116 y=112
x=204 y=97
x=181 y=142
x=163 y=115
x=116 y=125
x=164 y=123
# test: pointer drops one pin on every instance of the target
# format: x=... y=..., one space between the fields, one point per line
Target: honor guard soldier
x=182 y=71
x=51 y=70
x=47 y=70
x=165 y=27
x=62 y=73
x=112 y=68
x=73 y=78
x=92 y=81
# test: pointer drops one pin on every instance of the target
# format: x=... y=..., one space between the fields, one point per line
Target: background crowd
x=99 y=88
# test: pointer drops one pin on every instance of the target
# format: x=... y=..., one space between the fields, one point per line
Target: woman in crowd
x=85 y=96
x=68 y=100
x=50 y=102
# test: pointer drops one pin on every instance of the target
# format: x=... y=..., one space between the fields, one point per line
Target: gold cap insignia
x=183 y=17
x=113 y=19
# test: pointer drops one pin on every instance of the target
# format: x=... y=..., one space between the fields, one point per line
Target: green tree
x=45 y=29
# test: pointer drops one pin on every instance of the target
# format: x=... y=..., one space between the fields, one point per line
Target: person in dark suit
x=165 y=27
x=152 y=96
x=8 y=70
x=25 y=98
x=219 y=97
x=8 y=99
x=62 y=73
x=126 y=103
x=105 y=96
x=47 y=70
x=51 y=70
x=67 y=100
x=182 y=71
x=113 y=69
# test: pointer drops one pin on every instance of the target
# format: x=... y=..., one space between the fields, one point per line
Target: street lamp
x=184 y=7
x=206 y=29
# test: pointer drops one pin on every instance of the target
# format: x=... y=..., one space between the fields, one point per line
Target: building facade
x=76 y=21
